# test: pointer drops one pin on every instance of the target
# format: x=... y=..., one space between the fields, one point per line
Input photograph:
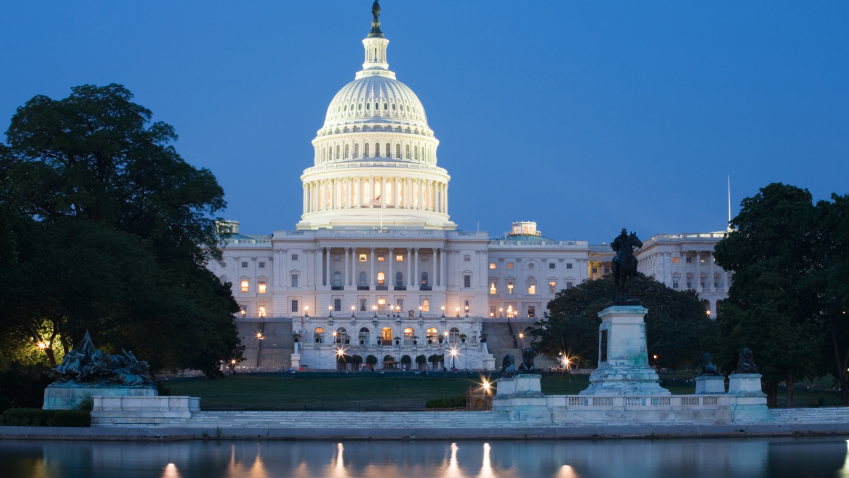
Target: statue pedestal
x=623 y=367
x=521 y=397
x=67 y=396
x=750 y=403
x=745 y=384
x=296 y=362
x=710 y=384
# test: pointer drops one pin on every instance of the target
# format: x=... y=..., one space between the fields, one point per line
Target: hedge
x=406 y=359
x=36 y=417
x=371 y=360
x=421 y=359
x=457 y=401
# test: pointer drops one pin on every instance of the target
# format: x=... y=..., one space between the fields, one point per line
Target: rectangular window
x=689 y=285
x=337 y=258
x=244 y=265
x=674 y=260
x=595 y=270
x=492 y=265
x=607 y=270
x=689 y=260
x=399 y=303
x=380 y=258
x=337 y=305
x=261 y=311
x=467 y=258
x=510 y=287
x=532 y=289
x=362 y=257
x=262 y=265
x=492 y=290
x=381 y=306
x=532 y=311
x=261 y=286
x=492 y=310
x=467 y=281
x=363 y=305
x=243 y=309
x=294 y=306
x=568 y=265
x=674 y=285
x=552 y=287
x=294 y=257
x=399 y=258
x=551 y=265
x=509 y=265
x=244 y=286
x=294 y=280
x=568 y=285
x=425 y=305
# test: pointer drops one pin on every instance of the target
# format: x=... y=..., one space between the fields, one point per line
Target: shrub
x=406 y=359
x=86 y=403
x=456 y=401
x=36 y=417
x=22 y=386
x=162 y=389
x=371 y=360
x=421 y=359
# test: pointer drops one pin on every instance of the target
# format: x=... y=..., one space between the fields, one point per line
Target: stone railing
x=142 y=411
x=637 y=402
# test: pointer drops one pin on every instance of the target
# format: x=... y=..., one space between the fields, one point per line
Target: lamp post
x=329 y=311
x=458 y=312
x=453 y=357
x=352 y=312
x=306 y=311
x=501 y=312
x=374 y=308
x=443 y=311
x=521 y=339
x=467 y=311
x=420 y=311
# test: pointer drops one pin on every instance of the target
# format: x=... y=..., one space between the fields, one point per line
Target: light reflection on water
x=820 y=457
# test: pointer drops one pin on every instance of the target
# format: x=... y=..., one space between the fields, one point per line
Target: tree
x=768 y=310
x=677 y=327
x=108 y=229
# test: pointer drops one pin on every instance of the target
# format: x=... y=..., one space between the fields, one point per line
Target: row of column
x=357 y=150
x=360 y=192
x=412 y=255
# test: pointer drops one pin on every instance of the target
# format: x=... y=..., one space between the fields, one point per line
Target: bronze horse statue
x=625 y=263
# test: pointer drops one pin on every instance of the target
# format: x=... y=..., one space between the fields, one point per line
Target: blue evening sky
x=583 y=116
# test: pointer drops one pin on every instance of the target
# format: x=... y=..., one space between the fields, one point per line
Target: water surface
x=691 y=458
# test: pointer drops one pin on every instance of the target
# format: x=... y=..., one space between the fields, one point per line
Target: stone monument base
x=62 y=396
x=751 y=401
x=521 y=397
x=710 y=384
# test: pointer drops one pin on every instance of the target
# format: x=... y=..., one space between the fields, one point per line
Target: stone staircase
x=810 y=415
x=500 y=341
x=351 y=420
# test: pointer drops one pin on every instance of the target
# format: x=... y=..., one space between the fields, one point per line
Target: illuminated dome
x=375 y=156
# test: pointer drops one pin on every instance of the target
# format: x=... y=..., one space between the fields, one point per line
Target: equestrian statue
x=625 y=264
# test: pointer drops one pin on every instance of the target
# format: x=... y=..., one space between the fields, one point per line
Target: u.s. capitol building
x=376 y=268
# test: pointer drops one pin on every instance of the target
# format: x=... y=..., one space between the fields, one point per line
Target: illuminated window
x=552 y=287
x=399 y=258
x=674 y=260
x=510 y=312
x=532 y=289
x=380 y=279
x=492 y=290
x=319 y=335
x=492 y=265
x=509 y=265
x=510 y=287
x=261 y=311
x=467 y=258
x=261 y=286
x=432 y=334
x=362 y=257
x=380 y=258
x=244 y=286
x=532 y=311
x=386 y=334
x=425 y=305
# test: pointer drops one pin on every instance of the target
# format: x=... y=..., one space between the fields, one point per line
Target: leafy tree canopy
x=677 y=328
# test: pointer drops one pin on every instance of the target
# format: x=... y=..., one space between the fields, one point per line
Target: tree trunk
x=771 y=389
x=790 y=388
x=50 y=357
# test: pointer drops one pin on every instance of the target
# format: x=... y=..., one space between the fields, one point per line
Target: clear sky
x=583 y=116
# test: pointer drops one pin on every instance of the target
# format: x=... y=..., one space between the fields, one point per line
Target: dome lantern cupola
x=375 y=45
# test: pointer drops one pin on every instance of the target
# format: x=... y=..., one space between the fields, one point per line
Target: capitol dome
x=375 y=156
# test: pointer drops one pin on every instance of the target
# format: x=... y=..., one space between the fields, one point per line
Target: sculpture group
x=85 y=365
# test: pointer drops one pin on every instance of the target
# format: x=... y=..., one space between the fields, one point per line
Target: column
x=305 y=198
x=350 y=182
x=372 y=278
x=698 y=271
x=416 y=269
x=382 y=192
x=353 y=265
x=419 y=195
x=395 y=194
x=433 y=205
x=712 y=286
x=326 y=266
x=445 y=199
x=345 y=279
x=332 y=194
x=409 y=260
x=442 y=267
x=408 y=199
x=390 y=281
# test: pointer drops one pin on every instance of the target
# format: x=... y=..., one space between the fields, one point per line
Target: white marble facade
x=376 y=249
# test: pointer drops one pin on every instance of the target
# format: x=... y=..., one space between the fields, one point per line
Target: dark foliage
x=22 y=386
x=457 y=401
x=36 y=417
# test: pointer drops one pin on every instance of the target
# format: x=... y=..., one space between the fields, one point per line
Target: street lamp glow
x=521 y=336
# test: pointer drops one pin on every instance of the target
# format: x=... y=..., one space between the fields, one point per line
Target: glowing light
x=454 y=352
x=259 y=335
x=486 y=385
x=352 y=307
x=42 y=345
x=521 y=336
x=233 y=361
x=170 y=471
x=655 y=356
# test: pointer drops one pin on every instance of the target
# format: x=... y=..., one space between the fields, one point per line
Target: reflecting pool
x=785 y=457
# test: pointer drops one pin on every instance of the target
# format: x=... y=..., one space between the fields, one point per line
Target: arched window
x=408 y=152
x=319 y=335
x=398 y=151
x=365 y=151
x=408 y=336
x=341 y=334
x=377 y=150
x=356 y=151
x=532 y=285
x=453 y=335
x=224 y=280
x=380 y=279
x=337 y=279
x=432 y=334
x=386 y=335
x=363 y=279
x=323 y=154
x=416 y=153
x=363 y=336
x=388 y=150
x=399 y=279
x=337 y=151
x=424 y=279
